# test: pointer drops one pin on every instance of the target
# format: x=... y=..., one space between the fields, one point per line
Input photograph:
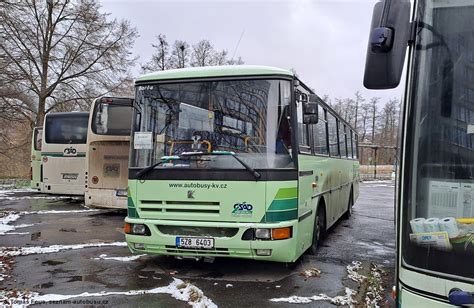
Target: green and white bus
x=108 y=147
x=36 y=168
x=63 y=152
x=236 y=161
x=435 y=191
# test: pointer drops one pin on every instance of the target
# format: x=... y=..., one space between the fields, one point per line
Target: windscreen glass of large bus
x=245 y=118
x=67 y=128
x=438 y=233
x=112 y=117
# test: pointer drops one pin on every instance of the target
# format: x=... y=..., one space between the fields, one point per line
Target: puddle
x=53 y=262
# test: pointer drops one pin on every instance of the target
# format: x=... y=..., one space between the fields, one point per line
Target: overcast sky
x=325 y=41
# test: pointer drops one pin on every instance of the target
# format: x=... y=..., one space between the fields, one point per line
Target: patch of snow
x=342 y=300
x=46 y=212
x=374 y=294
x=352 y=272
x=178 y=289
x=23 y=251
x=9 y=218
x=6 y=228
x=228 y=285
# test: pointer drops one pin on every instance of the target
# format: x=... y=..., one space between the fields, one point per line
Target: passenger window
x=348 y=142
x=319 y=134
x=342 y=139
x=332 y=132
x=303 y=131
x=355 y=145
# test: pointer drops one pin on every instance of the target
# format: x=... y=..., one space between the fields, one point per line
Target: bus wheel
x=348 y=212
x=318 y=230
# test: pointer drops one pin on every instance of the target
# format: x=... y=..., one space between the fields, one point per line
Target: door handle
x=459 y=297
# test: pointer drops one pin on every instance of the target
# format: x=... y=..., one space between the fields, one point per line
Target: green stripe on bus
x=285 y=204
x=281 y=216
x=287 y=193
x=131 y=210
x=132 y=213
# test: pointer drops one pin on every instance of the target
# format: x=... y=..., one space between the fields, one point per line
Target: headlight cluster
x=273 y=234
x=136 y=229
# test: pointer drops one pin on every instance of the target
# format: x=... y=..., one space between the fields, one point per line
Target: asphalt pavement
x=55 y=252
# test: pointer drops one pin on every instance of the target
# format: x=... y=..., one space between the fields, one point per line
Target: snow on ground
x=24 y=251
x=374 y=294
x=122 y=259
x=345 y=300
x=352 y=272
x=9 y=217
x=7 y=195
x=178 y=289
x=5 y=221
x=337 y=300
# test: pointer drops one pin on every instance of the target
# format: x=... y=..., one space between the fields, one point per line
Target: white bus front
x=108 y=151
x=63 y=153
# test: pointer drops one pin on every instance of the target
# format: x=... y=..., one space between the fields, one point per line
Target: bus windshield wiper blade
x=255 y=173
x=149 y=168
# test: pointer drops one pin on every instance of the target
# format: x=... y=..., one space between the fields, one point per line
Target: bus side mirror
x=310 y=110
x=388 y=40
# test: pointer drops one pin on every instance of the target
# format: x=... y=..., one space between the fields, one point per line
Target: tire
x=318 y=230
x=348 y=212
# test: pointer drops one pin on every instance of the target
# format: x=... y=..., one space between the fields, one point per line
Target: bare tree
x=160 y=59
x=180 y=54
x=358 y=101
x=203 y=54
x=61 y=52
x=373 y=104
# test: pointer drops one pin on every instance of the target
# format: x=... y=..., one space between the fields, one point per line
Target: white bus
x=108 y=139
x=63 y=152
x=36 y=169
x=435 y=192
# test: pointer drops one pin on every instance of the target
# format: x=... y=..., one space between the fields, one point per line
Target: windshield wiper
x=164 y=159
x=252 y=171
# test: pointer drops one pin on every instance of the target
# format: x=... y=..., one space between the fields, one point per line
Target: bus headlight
x=263 y=234
x=136 y=229
x=139 y=229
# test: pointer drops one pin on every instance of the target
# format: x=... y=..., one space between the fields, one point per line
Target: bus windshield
x=438 y=233
x=248 y=118
x=112 y=117
x=66 y=128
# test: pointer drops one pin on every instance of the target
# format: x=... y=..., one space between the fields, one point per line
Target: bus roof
x=215 y=71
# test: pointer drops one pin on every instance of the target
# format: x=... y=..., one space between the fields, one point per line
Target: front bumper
x=233 y=246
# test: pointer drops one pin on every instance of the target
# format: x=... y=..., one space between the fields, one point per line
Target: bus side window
x=320 y=133
x=348 y=141
x=342 y=139
x=355 y=145
x=303 y=131
x=332 y=132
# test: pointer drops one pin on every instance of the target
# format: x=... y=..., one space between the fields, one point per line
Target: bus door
x=36 y=168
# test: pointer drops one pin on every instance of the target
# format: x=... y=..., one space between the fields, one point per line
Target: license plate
x=70 y=176
x=195 y=242
x=121 y=193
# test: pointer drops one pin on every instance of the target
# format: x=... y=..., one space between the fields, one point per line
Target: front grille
x=180 y=207
x=197 y=231
x=198 y=251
